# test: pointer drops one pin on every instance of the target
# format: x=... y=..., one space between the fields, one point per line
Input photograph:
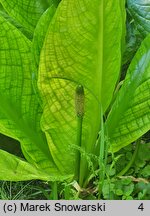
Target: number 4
x=141 y=207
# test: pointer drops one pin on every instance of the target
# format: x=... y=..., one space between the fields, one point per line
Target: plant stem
x=106 y=148
x=67 y=192
x=102 y=153
x=79 y=139
x=79 y=107
x=131 y=161
x=54 y=191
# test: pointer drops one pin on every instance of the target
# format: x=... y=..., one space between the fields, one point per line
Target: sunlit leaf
x=26 y=12
x=82 y=46
x=130 y=115
x=20 y=112
x=15 y=169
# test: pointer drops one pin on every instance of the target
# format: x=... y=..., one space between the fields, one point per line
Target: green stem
x=67 y=192
x=131 y=161
x=79 y=107
x=102 y=158
x=79 y=140
x=106 y=147
x=54 y=191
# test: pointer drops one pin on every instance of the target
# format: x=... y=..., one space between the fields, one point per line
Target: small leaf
x=128 y=189
x=126 y=181
x=143 y=155
x=118 y=192
x=146 y=171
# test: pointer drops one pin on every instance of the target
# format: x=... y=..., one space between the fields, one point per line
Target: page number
x=141 y=207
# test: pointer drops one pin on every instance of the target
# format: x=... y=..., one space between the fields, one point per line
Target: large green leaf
x=40 y=33
x=54 y=2
x=140 y=10
x=15 y=169
x=26 y=12
x=19 y=111
x=37 y=44
x=123 y=17
x=130 y=115
x=82 y=45
x=21 y=28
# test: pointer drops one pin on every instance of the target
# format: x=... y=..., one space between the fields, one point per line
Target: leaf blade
x=15 y=169
x=140 y=11
x=26 y=12
x=69 y=57
x=20 y=112
x=129 y=118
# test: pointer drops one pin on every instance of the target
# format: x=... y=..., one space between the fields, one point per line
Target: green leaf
x=143 y=155
x=20 y=112
x=37 y=44
x=128 y=190
x=40 y=33
x=119 y=192
x=54 y=2
x=15 y=169
x=123 y=17
x=140 y=11
x=25 y=12
x=146 y=171
x=133 y=40
x=16 y=24
x=123 y=187
x=130 y=116
x=108 y=189
x=82 y=46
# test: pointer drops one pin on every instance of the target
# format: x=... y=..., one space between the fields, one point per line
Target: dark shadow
x=10 y=145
